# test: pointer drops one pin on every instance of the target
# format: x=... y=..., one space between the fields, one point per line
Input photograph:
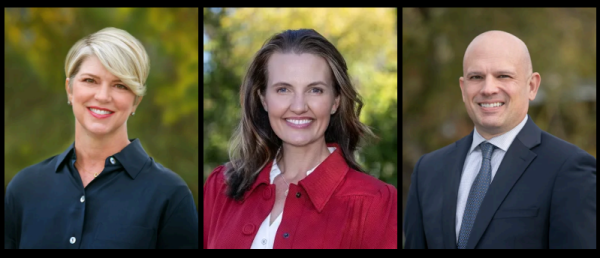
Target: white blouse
x=265 y=237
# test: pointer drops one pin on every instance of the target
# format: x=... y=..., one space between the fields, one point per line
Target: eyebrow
x=95 y=76
x=498 y=72
x=287 y=84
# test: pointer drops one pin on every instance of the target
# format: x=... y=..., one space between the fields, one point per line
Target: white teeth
x=299 y=122
x=497 y=104
x=100 y=112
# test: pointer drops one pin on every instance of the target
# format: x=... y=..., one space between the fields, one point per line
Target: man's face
x=497 y=84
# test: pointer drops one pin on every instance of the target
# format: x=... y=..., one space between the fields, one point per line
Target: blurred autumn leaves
x=39 y=123
x=366 y=37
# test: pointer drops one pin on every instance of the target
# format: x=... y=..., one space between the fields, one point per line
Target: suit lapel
x=456 y=161
x=515 y=161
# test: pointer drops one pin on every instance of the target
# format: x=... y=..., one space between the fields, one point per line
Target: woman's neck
x=296 y=161
x=92 y=150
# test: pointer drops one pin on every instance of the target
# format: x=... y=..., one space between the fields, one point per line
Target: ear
x=534 y=85
x=336 y=103
x=461 y=81
x=69 y=91
x=262 y=100
x=137 y=103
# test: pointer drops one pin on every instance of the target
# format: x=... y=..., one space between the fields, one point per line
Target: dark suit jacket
x=542 y=196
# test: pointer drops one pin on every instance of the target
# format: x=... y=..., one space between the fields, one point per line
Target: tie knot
x=487 y=149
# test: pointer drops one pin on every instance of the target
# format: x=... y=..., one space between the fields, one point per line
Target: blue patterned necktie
x=476 y=194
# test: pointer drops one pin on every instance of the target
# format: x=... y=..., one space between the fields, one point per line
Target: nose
x=103 y=93
x=490 y=86
x=299 y=105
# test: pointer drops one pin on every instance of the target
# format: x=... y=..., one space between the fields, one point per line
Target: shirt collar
x=133 y=157
x=327 y=176
x=275 y=171
x=501 y=141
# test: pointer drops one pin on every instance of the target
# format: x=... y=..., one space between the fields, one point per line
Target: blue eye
x=279 y=90
x=86 y=80
x=317 y=90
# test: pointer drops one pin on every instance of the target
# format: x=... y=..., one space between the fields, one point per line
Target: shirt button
x=264 y=241
x=112 y=160
x=298 y=195
x=267 y=194
x=82 y=199
x=72 y=240
x=286 y=235
x=248 y=229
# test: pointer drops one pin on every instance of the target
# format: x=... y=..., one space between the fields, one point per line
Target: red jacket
x=335 y=207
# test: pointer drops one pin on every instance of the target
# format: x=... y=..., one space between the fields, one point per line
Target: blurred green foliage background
x=39 y=123
x=366 y=37
x=562 y=45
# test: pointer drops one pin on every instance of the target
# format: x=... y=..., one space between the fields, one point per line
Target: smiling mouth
x=491 y=105
x=100 y=112
x=299 y=123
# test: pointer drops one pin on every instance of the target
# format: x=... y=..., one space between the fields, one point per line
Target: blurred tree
x=365 y=37
x=39 y=123
x=562 y=45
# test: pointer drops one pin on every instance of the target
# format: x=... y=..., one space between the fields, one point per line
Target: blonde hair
x=119 y=52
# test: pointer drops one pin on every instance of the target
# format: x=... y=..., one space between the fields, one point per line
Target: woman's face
x=299 y=97
x=101 y=102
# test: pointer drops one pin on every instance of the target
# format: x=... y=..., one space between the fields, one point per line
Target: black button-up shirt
x=134 y=203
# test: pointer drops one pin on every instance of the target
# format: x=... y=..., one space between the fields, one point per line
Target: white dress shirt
x=265 y=237
x=473 y=164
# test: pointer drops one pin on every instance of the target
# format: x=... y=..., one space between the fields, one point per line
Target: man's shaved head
x=498 y=82
x=500 y=43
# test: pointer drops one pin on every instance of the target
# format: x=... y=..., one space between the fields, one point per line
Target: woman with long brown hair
x=293 y=180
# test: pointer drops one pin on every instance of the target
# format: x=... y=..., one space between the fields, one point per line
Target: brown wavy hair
x=254 y=143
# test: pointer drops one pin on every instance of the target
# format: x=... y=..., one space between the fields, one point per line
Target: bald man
x=508 y=184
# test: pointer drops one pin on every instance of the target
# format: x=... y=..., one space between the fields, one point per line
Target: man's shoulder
x=554 y=147
x=443 y=152
x=550 y=140
x=431 y=165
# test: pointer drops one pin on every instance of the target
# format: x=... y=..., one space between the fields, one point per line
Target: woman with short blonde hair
x=104 y=191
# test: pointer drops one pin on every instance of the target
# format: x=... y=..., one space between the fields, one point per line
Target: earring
x=333 y=111
x=132 y=113
x=68 y=102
